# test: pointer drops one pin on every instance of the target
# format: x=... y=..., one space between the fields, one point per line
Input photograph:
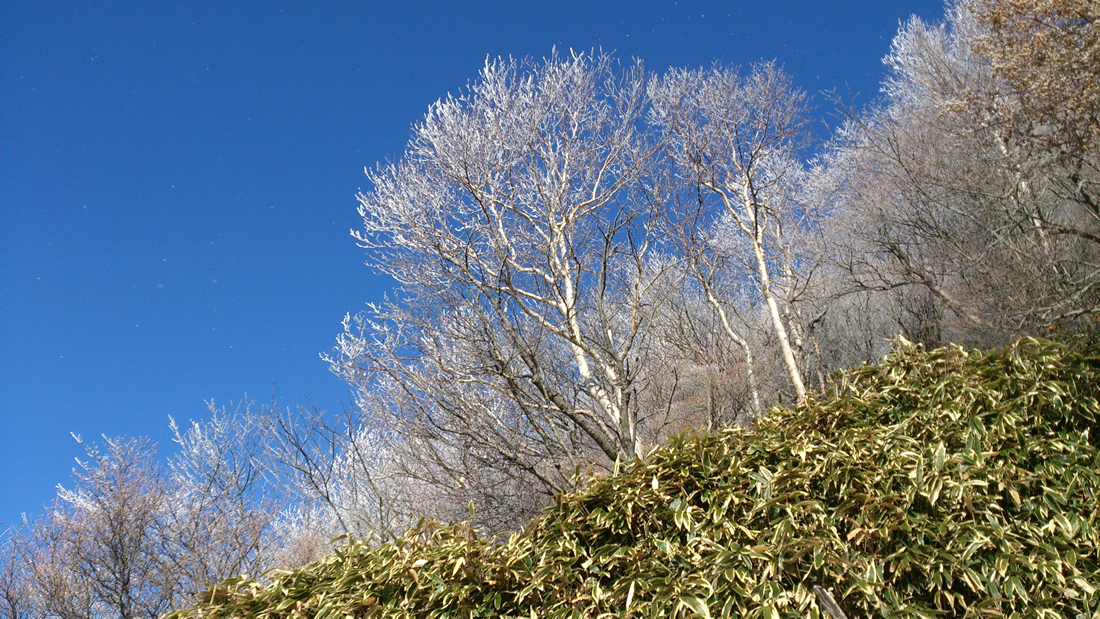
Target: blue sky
x=177 y=181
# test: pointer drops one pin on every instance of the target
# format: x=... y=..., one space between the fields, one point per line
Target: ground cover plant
x=938 y=483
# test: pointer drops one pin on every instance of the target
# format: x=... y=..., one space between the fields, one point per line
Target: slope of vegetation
x=940 y=483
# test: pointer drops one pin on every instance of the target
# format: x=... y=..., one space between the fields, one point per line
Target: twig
x=826 y=601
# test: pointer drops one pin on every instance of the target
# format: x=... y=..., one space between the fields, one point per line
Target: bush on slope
x=940 y=483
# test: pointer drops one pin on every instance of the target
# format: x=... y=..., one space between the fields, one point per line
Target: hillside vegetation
x=942 y=483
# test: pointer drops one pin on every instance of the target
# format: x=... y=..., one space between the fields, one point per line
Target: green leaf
x=696 y=604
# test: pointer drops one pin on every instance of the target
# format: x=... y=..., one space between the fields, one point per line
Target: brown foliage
x=1048 y=51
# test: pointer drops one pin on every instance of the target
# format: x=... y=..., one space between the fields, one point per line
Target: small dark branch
x=825 y=600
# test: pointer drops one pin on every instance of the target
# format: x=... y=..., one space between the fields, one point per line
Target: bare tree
x=736 y=139
x=56 y=589
x=939 y=191
x=343 y=476
x=517 y=224
x=715 y=384
x=214 y=522
x=97 y=546
x=130 y=539
x=1045 y=56
x=15 y=575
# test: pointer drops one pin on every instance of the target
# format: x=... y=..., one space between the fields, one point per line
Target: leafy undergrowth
x=940 y=483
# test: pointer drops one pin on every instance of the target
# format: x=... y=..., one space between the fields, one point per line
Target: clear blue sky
x=177 y=180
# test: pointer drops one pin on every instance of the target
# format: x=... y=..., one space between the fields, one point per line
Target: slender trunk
x=757 y=235
x=777 y=322
x=757 y=409
x=750 y=225
x=568 y=308
x=596 y=431
x=817 y=349
x=792 y=313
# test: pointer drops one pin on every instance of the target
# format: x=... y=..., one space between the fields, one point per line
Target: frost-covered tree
x=957 y=187
x=215 y=521
x=518 y=225
x=736 y=140
x=133 y=538
x=97 y=550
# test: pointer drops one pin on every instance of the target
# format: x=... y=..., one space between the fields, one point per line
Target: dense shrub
x=937 y=483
